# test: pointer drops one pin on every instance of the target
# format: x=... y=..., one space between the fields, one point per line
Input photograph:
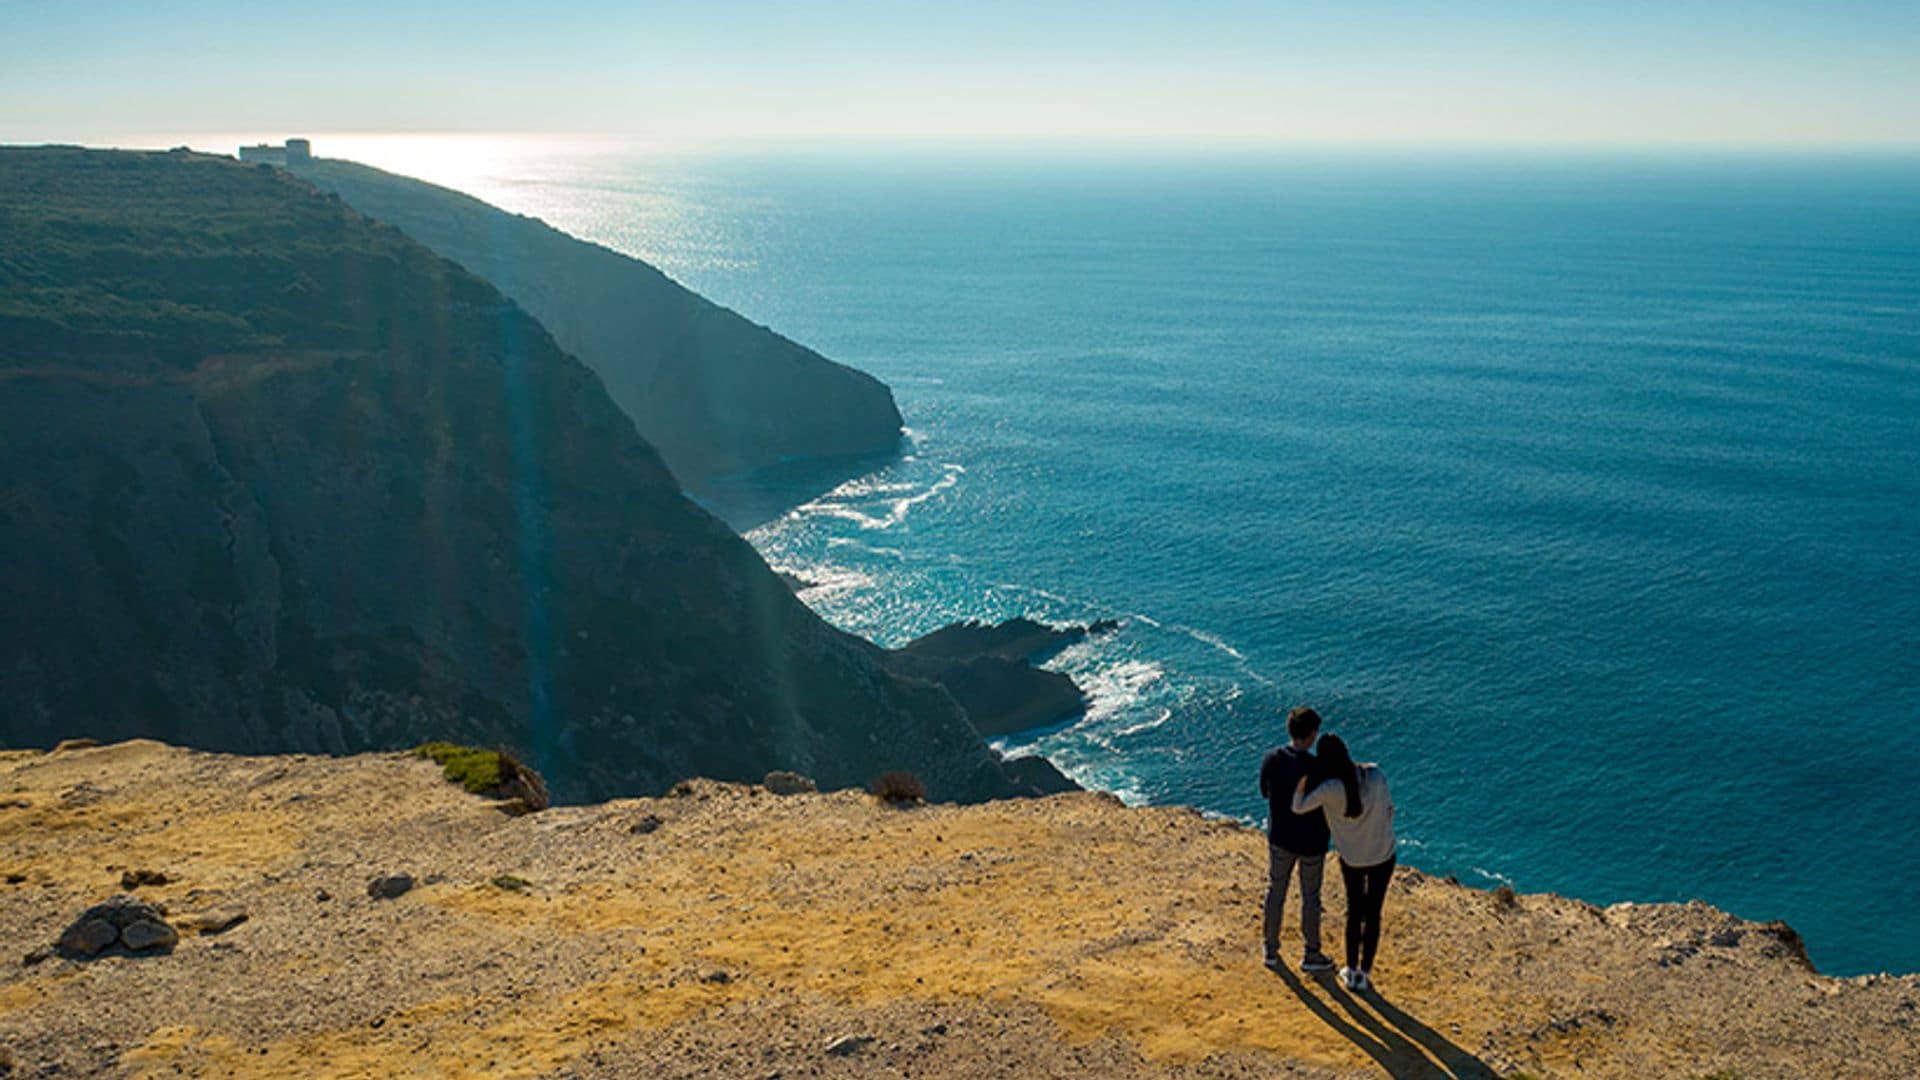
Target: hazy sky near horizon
x=1761 y=72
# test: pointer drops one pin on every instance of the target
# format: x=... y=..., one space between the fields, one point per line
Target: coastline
x=1105 y=695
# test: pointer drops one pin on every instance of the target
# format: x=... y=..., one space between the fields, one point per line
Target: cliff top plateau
x=363 y=917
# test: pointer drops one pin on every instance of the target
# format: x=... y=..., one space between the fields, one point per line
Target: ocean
x=1582 y=492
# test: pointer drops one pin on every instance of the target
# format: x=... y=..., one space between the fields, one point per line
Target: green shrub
x=493 y=773
x=479 y=771
x=511 y=883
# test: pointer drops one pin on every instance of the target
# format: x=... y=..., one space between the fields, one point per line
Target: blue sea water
x=1581 y=492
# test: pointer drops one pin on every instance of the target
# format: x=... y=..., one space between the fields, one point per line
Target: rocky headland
x=361 y=916
x=275 y=477
x=990 y=669
x=712 y=391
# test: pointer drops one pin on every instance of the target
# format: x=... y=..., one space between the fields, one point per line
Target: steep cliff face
x=712 y=391
x=274 y=477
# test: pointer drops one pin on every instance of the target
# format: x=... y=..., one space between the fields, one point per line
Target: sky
x=1761 y=73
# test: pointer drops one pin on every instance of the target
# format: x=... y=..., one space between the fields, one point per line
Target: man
x=1293 y=840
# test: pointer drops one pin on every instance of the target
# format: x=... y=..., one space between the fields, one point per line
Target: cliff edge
x=728 y=931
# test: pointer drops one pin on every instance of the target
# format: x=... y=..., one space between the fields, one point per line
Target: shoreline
x=1014 y=745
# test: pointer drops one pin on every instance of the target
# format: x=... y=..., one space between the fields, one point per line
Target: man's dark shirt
x=1280 y=773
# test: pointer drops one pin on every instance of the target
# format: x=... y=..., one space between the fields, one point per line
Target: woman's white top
x=1366 y=840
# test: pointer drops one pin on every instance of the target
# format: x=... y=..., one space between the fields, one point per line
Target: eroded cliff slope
x=275 y=477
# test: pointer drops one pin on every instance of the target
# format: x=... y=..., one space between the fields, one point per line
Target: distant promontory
x=715 y=393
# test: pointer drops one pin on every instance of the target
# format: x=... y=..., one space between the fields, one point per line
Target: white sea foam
x=869 y=549
x=1217 y=642
x=1112 y=690
x=1206 y=638
x=1147 y=725
x=841 y=501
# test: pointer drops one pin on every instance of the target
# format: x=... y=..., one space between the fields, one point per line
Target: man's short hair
x=1302 y=722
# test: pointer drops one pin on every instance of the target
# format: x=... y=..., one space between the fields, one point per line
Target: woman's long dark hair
x=1336 y=764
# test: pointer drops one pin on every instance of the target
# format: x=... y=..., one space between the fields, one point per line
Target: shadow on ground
x=1399 y=1043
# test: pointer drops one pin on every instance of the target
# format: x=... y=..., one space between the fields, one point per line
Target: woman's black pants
x=1366 y=893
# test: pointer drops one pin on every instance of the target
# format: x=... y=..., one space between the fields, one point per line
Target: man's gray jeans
x=1280 y=864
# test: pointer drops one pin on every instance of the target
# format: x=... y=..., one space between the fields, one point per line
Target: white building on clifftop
x=295 y=152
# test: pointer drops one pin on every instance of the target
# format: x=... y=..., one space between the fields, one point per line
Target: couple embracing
x=1311 y=796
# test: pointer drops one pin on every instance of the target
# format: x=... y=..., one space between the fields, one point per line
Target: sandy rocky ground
x=727 y=931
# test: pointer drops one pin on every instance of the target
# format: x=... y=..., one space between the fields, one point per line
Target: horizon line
x=210 y=138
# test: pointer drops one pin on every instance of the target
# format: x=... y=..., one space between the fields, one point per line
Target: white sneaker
x=1365 y=981
x=1350 y=978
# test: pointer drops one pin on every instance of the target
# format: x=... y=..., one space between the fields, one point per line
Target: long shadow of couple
x=1402 y=1045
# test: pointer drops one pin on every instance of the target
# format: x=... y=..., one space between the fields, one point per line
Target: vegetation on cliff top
x=478 y=770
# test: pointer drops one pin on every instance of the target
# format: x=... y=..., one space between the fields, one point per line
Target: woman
x=1359 y=812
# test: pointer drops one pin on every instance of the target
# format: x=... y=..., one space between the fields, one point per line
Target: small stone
x=647 y=824
x=214 y=920
x=149 y=934
x=782 y=782
x=39 y=955
x=16 y=879
x=848 y=1045
x=65 y=745
x=321 y=896
x=87 y=937
x=133 y=879
x=388 y=886
x=717 y=977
